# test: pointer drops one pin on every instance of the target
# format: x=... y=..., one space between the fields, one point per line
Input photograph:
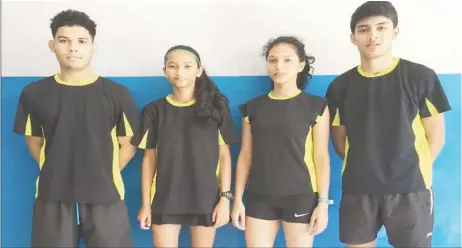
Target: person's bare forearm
x=322 y=163
x=34 y=145
x=148 y=170
x=225 y=170
x=242 y=175
x=126 y=153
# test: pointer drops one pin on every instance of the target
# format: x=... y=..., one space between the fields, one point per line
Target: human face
x=283 y=64
x=374 y=36
x=182 y=69
x=73 y=47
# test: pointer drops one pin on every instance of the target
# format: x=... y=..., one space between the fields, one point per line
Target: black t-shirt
x=187 y=156
x=386 y=147
x=79 y=160
x=282 y=143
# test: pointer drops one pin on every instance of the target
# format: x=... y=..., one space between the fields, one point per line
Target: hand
x=319 y=219
x=220 y=216
x=144 y=217
x=238 y=215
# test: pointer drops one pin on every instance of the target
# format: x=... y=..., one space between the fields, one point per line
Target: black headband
x=185 y=48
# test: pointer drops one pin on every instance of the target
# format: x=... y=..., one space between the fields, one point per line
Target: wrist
x=227 y=195
x=325 y=201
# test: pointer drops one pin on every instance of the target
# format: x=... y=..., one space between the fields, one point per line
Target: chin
x=182 y=84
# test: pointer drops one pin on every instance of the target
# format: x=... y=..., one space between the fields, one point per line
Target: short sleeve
x=128 y=118
x=26 y=120
x=226 y=129
x=433 y=100
x=322 y=107
x=145 y=136
x=335 y=104
x=244 y=109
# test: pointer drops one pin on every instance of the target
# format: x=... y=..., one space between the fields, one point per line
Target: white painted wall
x=133 y=36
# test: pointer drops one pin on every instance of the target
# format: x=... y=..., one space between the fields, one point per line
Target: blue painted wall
x=19 y=171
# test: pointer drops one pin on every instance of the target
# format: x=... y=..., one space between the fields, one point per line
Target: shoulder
x=310 y=98
x=257 y=100
x=313 y=102
x=35 y=88
x=416 y=75
x=340 y=82
x=113 y=86
x=416 y=72
x=415 y=68
x=154 y=107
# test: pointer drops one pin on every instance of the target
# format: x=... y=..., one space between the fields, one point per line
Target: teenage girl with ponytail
x=186 y=168
x=284 y=158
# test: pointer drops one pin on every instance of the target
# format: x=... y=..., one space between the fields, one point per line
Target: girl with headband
x=186 y=168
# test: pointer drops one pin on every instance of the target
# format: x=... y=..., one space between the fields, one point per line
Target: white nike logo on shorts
x=300 y=215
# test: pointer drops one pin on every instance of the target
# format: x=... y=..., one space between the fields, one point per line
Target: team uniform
x=80 y=189
x=282 y=181
x=185 y=189
x=387 y=170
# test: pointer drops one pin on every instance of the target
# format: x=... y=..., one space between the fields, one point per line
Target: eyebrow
x=65 y=37
x=171 y=62
x=365 y=25
x=272 y=56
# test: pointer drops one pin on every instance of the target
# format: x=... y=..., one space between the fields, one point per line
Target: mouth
x=73 y=58
x=373 y=45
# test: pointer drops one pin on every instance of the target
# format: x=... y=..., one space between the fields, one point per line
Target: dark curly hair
x=211 y=104
x=71 y=18
x=305 y=75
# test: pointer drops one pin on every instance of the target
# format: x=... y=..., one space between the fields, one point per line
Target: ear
x=352 y=38
x=95 y=48
x=164 y=70
x=302 y=65
x=395 y=33
x=51 y=45
x=200 y=70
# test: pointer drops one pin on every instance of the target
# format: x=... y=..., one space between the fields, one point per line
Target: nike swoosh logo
x=300 y=215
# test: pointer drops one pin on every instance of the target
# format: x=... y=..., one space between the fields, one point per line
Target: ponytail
x=305 y=75
x=210 y=103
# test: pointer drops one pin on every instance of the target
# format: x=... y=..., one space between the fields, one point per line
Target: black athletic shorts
x=293 y=208
x=187 y=219
x=57 y=224
x=408 y=218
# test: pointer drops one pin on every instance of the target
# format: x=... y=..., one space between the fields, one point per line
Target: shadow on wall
x=19 y=171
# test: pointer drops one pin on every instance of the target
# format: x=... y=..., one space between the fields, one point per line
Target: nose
x=280 y=65
x=179 y=71
x=72 y=47
x=373 y=35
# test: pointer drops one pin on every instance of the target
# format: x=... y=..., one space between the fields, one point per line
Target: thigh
x=260 y=233
x=360 y=218
x=106 y=225
x=408 y=219
x=54 y=224
x=202 y=236
x=297 y=234
x=296 y=213
x=166 y=235
x=298 y=208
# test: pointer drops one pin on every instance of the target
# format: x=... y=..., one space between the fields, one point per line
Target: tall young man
x=388 y=126
x=78 y=127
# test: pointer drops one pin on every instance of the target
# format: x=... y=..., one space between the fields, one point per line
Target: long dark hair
x=211 y=104
x=305 y=75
